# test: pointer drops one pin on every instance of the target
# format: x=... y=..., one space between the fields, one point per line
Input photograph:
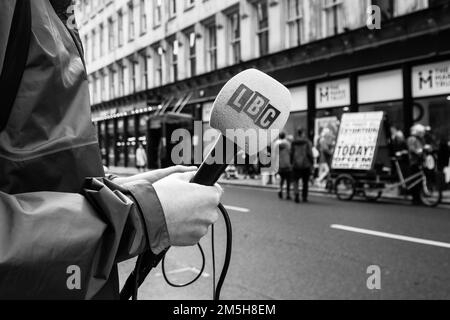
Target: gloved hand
x=190 y=209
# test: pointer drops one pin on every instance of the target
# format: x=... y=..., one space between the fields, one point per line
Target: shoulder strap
x=15 y=59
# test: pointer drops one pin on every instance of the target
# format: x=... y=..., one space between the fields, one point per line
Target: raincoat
x=60 y=218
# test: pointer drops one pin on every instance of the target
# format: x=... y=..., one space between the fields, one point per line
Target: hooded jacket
x=62 y=232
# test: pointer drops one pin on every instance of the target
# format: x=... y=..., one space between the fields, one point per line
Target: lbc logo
x=255 y=105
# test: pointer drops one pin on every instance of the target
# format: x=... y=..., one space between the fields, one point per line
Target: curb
x=315 y=192
x=312 y=191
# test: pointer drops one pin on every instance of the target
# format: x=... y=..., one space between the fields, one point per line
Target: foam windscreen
x=251 y=103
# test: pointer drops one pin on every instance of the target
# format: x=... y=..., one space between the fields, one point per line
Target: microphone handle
x=209 y=174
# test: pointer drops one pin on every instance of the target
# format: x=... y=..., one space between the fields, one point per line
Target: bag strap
x=15 y=58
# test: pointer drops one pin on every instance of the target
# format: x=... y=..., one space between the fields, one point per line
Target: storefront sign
x=333 y=94
x=382 y=86
x=431 y=80
x=299 y=99
x=357 y=141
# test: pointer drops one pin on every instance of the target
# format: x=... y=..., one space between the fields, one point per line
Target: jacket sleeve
x=47 y=238
x=6 y=14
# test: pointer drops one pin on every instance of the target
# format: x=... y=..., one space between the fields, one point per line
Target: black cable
x=143 y=268
x=189 y=283
x=136 y=277
x=213 y=254
x=228 y=249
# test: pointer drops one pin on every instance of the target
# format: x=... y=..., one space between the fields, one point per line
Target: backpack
x=15 y=58
x=301 y=155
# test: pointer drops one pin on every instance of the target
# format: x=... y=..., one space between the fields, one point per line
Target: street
x=318 y=250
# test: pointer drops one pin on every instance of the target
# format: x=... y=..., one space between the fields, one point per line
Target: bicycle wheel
x=431 y=190
x=345 y=187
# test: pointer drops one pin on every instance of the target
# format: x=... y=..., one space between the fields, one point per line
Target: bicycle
x=347 y=186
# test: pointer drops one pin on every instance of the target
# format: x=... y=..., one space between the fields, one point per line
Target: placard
x=357 y=141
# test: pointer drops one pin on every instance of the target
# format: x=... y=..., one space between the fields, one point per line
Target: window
x=102 y=85
x=143 y=17
x=112 y=87
x=212 y=46
x=174 y=59
x=130 y=21
x=333 y=13
x=144 y=71
x=110 y=34
x=93 y=46
x=94 y=89
x=192 y=53
x=189 y=3
x=172 y=8
x=120 y=25
x=434 y=112
x=132 y=75
x=294 y=22
x=403 y=7
x=158 y=66
x=101 y=35
x=235 y=37
x=121 y=79
x=157 y=12
x=86 y=46
x=262 y=27
x=387 y=8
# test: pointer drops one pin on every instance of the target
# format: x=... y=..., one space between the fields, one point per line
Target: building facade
x=151 y=57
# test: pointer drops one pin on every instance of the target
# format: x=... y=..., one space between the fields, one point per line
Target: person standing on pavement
x=141 y=158
x=326 y=149
x=284 y=164
x=302 y=162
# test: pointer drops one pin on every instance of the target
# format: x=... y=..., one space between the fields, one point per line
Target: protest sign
x=357 y=141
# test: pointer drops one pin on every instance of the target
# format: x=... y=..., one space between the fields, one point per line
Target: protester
x=141 y=158
x=416 y=144
x=302 y=162
x=400 y=151
x=54 y=217
x=443 y=158
x=284 y=162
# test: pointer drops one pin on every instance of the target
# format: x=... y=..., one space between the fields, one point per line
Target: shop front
x=431 y=94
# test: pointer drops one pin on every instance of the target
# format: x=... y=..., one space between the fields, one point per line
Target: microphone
x=250 y=103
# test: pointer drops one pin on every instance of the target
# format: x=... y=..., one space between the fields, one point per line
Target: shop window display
x=434 y=113
x=392 y=110
x=295 y=121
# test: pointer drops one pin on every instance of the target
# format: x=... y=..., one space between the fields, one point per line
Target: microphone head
x=251 y=102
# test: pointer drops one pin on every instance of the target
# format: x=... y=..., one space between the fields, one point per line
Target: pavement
x=323 y=249
x=258 y=183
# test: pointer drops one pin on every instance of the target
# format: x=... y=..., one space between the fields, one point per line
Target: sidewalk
x=257 y=183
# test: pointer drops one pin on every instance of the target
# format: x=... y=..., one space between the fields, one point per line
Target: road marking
x=182 y=270
x=238 y=209
x=392 y=236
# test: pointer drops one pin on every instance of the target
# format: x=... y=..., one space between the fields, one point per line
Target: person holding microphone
x=58 y=211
